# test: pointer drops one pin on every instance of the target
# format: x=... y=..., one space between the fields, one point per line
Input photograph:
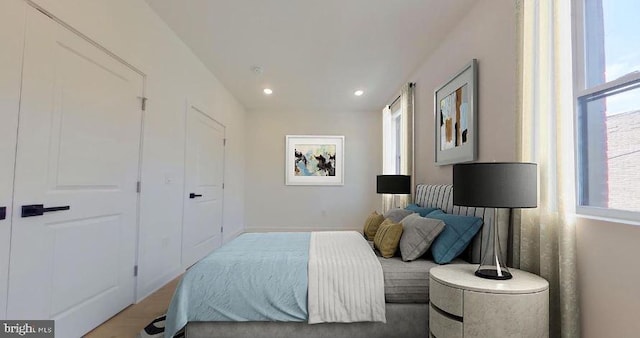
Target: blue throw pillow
x=456 y=236
x=423 y=211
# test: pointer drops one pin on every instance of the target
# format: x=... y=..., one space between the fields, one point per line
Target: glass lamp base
x=492 y=273
x=491 y=266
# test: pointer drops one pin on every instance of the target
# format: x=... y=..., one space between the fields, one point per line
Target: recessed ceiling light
x=358 y=92
x=267 y=91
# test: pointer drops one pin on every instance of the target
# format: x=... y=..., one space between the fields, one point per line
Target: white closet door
x=204 y=165
x=12 y=41
x=78 y=146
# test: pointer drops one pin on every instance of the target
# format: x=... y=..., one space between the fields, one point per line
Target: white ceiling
x=315 y=54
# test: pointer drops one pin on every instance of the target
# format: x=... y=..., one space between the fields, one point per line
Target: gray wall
x=487 y=33
x=273 y=206
x=608 y=278
x=270 y=205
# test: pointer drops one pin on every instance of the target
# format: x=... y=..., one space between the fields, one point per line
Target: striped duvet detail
x=346 y=283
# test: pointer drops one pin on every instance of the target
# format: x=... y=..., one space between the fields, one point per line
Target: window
x=393 y=139
x=397 y=142
x=607 y=94
x=396 y=122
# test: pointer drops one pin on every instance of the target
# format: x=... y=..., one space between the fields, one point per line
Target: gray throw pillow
x=397 y=215
x=418 y=234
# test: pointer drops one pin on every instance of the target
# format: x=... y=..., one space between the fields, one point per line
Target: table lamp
x=393 y=184
x=495 y=185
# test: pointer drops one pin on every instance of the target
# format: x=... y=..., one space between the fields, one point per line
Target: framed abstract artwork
x=314 y=160
x=456 y=123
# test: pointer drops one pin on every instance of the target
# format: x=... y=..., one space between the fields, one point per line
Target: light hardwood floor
x=130 y=321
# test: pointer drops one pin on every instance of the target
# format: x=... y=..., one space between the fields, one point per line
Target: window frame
x=582 y=92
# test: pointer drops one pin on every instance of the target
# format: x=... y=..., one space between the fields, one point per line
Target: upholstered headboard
x=441 y=196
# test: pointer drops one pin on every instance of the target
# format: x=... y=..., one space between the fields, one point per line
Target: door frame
x=11 y=86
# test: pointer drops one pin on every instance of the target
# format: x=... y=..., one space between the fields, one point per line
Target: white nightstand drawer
x=517 y=307
x=442 y=326
x=445 y=297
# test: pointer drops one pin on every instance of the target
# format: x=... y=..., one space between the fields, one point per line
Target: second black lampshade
x=393 y=184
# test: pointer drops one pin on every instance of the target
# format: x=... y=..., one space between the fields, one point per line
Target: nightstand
x=464 y=305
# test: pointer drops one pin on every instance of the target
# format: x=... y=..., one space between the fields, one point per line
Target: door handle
x=3 y=213
x=192 y=195
x=39 y=209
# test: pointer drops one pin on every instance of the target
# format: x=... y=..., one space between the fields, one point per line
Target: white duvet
x=346 y=283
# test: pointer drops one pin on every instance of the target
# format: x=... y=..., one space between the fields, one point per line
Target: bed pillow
x=388 y=237
x=371 y=225
x=423 y=211
x=397 y=215
x=417 y=235
x=456 y=236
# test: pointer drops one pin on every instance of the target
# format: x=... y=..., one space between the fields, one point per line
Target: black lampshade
x=393 y=184
x=495 y=185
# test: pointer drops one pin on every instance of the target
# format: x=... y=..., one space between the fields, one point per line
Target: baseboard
x=227 y=237
x=158 y=283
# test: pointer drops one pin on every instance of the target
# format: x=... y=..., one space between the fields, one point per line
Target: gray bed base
x=403 y=320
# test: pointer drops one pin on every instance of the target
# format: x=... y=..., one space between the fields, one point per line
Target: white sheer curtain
x=390 y=142
x=388 y=153
x=547 y=233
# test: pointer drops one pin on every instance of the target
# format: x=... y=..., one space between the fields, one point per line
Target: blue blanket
x=244 y=280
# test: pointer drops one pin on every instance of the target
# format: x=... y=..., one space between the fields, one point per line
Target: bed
x=405 y=298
